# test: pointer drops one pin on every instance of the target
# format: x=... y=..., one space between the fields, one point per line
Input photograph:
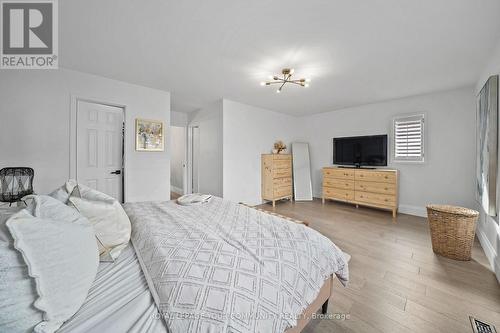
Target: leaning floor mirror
x=301 y=172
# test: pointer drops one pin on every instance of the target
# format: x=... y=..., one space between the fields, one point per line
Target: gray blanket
x=224 y=267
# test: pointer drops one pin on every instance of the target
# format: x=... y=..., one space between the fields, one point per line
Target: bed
x=215 y=267
x=118 y=301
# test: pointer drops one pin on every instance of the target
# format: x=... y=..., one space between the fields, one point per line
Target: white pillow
x=194 y=199
x=111 y=223
x=58 y=246
x=60 y=194
x=17 y=288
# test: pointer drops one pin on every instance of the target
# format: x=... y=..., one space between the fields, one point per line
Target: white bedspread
x=224 y=267
x=119 y=301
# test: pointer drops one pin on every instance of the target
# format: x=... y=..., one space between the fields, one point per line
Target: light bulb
x=262 y=83
x=292 y=71
x=270 y=77
x=308 y=80
x=278 y=91
x=306 y=85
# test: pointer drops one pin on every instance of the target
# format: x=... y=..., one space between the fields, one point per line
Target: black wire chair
x=15 y=183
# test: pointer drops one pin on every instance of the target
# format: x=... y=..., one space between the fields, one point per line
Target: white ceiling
x=355 y=52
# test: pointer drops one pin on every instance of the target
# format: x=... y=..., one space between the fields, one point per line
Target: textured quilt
x=225 y=267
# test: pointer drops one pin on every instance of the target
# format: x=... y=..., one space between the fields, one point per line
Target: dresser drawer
x=383 y=188
x=282 y=164
x=375 y=176
x=376 y=198
x=338 y=173
x=278 y=182
x=344 y=184
x=282 y=157
x=336 y=193
x=280 y=173
x=283 y=191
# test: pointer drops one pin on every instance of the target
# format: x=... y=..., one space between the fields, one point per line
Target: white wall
x=450 y=142
x=178 y=118
x=249 y=132
x=35 y=107
x=488 y=230
x=177 y=158
x=447 y=174
x=178 y=145
x=209 y=121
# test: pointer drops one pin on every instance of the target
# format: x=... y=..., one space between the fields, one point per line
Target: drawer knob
x=386 y=188
x=386 y=177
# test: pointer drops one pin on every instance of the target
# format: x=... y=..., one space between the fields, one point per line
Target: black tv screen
x=360 y=150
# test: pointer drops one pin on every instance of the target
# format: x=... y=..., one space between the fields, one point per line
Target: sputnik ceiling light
x=287 y=78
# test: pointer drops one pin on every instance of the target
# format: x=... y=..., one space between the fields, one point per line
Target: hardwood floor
x=397 y=284
x=174 y=196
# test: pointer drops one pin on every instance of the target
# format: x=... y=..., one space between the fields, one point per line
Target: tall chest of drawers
x=368 y=187
x=276 y=174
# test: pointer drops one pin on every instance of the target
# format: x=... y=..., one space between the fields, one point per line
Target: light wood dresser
x=368 y=187
x=276 y=170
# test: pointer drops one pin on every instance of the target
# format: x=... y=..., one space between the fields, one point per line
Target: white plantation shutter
x=409 y=138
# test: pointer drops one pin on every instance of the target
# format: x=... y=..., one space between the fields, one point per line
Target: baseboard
x=413 y=210
x=490 y=253
x=175 y=189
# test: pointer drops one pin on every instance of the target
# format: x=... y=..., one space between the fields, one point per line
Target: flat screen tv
x=360 y=151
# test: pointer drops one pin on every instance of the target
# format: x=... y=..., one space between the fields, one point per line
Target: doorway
x=178 y=151
x=100 y=147
x=193 y=159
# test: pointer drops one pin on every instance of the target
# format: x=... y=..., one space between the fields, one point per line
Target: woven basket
x=452 y=230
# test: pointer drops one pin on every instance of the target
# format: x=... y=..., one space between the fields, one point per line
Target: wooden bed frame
x=321 y=301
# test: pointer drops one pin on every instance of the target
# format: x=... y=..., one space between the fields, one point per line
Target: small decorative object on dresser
x=279 y=146
x=276 y=170
x=367 y=187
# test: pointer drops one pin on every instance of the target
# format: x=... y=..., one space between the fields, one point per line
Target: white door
x=99 y=135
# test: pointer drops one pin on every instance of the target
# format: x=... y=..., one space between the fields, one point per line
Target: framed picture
x=487 y=146
x=149 y=135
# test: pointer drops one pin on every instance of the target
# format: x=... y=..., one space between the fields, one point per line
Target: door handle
x=117 y=172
